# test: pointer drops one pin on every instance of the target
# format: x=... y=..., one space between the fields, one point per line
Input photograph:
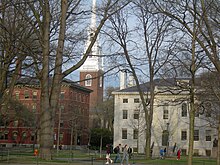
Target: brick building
x=71 y=119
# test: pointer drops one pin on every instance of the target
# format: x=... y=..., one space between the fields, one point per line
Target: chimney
x=131 y=81
x=123 y=78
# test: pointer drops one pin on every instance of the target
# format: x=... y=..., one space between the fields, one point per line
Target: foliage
x=97 y=134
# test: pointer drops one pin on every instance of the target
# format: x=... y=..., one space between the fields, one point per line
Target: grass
x=66 y=156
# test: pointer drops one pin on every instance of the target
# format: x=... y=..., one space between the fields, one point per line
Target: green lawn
x=67 y=156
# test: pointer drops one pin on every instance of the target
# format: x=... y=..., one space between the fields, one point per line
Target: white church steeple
x=94 y=61
x=91 y=72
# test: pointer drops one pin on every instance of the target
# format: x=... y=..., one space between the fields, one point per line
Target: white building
x=170 y=120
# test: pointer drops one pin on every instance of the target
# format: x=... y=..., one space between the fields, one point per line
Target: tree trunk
x=191 y=134
x=46 y=140
x=100 y=148
x=218 y=154
x=192 y=94
x=57 y=78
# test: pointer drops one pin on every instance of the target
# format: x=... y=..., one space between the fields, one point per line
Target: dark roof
x=169 y=82
x=36 y=82
x=27 y=81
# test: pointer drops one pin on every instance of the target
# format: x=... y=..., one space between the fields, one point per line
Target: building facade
x=170 y=126
x=21 y=125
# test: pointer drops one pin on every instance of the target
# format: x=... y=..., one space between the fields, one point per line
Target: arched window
x=88 y=79
x=14 y=135
x=24 y=135
x=184 y=110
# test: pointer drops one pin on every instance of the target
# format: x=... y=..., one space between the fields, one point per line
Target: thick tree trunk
x=46 y=140
x=57 y=79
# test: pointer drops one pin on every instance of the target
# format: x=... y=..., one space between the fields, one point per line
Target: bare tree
x=40 y=17
x=209 y=98
x=151 y=31
x=16 y=39
x=205 y=21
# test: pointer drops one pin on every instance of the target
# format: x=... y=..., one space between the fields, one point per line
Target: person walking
x=117 y=152
x=161 y=153
x=125 y=155
x=108 y=153
x=178 y=154
x=165 y=152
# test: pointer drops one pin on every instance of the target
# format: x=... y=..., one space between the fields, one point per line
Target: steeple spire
x=94 y=62
x=93 y=17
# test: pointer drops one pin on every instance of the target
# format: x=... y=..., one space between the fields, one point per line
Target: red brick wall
x=76 y=107
x=97 y=95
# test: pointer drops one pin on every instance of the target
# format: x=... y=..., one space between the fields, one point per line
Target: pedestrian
x=117 y=152
x=125 y=155
x=129 y=152
x=165 y=152
x=108 y=154
x=178 y=154
x=161 y=153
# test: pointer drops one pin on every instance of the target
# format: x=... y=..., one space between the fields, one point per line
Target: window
x=24 y=136
x=165 y=137
x=124 y=133
x=32 y=136
x=26 y=94
x=34 y=95
x=136 y=100
x=165 y=111
x=125 y=100
x=17 y=95
x=184 y=110
x=61 y=136
x=135 y=134
x=61 y=123
x=208 y=152
x=208 y=135
x=183 y=135
x=15 y=123
x=135 y=150
x=62 y=95
x=6 y=135
x=196 y=135
x=1 y=136
x=125 y=114
x=34 y=107
x=136 y=114
x=88 y=80
x=14 y=135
